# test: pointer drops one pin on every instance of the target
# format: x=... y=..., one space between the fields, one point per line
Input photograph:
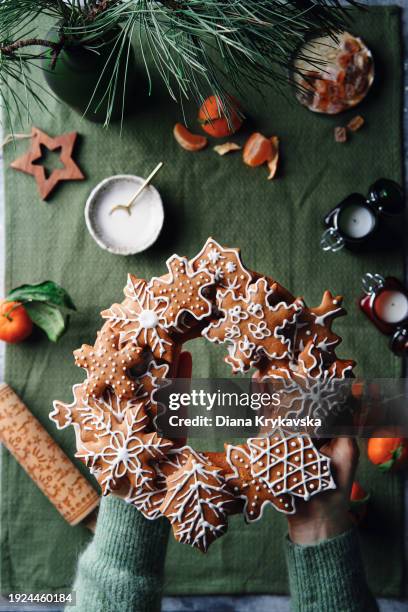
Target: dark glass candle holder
x=357 y=219
x=386 y=197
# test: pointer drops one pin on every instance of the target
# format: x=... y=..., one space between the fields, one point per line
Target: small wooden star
x=70 y=171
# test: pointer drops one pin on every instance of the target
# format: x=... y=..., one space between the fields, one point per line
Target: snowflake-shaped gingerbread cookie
x=139 y=319
x=309 y=386
x=252 y=326
x=124 y=454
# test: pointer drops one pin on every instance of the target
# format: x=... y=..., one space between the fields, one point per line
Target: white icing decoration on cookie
x=143 y=323
x=196 y=503
x=148 y=319
x=213 y=256
x=249 y=339
x=126 y=452
x=256 y=310
x=218 y=273
x=320 y=319
x=182 y=291
x=325 y=345
x=248 y=513
x=226 y=265
x=314 y=390
x=266 y=454
x=246 y=346
x=259 y=331
x=232 y=332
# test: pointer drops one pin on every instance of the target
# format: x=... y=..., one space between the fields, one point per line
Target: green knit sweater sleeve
x=121 y=570
x=328 y=576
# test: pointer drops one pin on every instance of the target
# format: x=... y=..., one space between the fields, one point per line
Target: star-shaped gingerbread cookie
x=107 y=366
x=182 y=290
x=316 y=324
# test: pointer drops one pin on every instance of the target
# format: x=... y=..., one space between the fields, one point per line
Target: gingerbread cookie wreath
x=264 y=327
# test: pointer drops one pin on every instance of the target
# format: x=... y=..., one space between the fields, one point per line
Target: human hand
x=327 y=515
x=184 y=370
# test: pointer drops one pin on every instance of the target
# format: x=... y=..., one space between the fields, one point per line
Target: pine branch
x=11 y=48
x=198 y=47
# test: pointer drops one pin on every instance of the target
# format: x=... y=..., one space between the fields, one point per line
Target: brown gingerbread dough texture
x=263 y=327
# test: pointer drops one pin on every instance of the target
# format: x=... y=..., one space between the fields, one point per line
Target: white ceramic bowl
x=119 y=232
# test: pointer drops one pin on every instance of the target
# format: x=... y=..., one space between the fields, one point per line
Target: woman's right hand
x=327 y=515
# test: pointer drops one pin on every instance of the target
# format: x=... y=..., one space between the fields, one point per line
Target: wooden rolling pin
x=45 y=462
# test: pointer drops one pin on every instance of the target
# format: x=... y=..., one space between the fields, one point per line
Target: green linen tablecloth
x=276 y=223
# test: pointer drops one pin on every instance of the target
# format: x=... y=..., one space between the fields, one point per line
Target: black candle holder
x=356 y=220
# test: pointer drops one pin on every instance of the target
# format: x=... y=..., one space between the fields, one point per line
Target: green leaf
x=48 y=291
x=398 y=452
x=48 y=318
x=387 y=465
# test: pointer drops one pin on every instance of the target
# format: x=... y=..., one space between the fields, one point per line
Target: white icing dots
x=188 y=285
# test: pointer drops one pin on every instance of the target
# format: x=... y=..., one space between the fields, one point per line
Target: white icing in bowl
x=121 y=233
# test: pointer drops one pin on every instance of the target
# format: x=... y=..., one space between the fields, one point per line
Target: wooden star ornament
x=70 y=171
